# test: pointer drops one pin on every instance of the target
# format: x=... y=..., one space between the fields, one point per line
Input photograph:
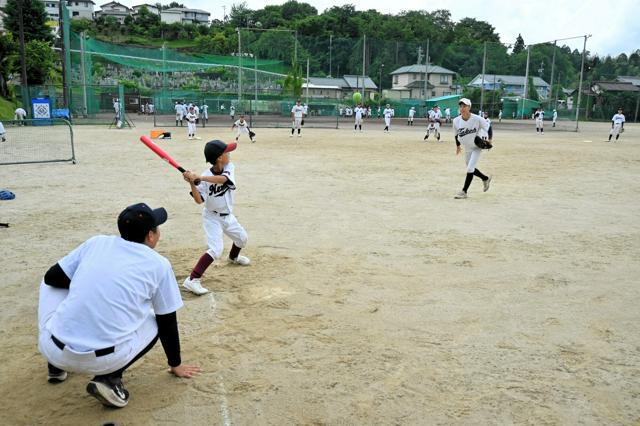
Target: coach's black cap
x=214 y=149
x=135 y=222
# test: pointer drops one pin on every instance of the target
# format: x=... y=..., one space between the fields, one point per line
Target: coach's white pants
x=192 y=128
x=86 y=362
x=471 y=157
x=615 y=130
x=358 y=122
x=539 y=124
x=215 y=225
x=387 y=121
x=297 y=123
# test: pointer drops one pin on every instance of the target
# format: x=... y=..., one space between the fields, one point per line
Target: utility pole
x=584 y=51
x=526 y=82
x=484 y=64
x=330 y=53
x=364 y=56
x=23 y=59
x=553 y=65
x=426 y=74
x=239 y=67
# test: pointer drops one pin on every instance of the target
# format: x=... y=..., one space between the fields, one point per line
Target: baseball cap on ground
x=135 y=222
x=214 y=149
x=464 y=101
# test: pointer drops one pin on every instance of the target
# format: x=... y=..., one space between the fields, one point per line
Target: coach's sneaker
x=240 y=260
x=194 y=286
x=55 y=375
x=109 y=391
x=461 y=195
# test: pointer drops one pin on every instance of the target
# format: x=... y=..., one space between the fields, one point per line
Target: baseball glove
x=302 y=122
x=482 y=143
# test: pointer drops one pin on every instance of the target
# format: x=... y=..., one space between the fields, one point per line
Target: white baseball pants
x=216 y=225
x=471 y=158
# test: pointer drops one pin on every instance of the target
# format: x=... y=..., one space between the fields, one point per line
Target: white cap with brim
x=464 y=101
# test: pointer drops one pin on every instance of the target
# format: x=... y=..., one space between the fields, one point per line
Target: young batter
x=466 y=127
x=215 y=191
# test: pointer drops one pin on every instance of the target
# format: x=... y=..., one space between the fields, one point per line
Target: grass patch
x=6 y=109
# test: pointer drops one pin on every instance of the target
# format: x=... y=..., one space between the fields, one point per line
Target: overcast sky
x=613 y=24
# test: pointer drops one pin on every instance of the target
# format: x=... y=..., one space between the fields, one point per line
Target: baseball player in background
x=539 y=117
x=2 y=133
x=359 y=112
x=205 y=112
x=243 y=128
x=388 y=113
x=617 y=124
x=232 y=112
x=105 y=304
x=191 y=123
x=179 y=113
x=434 y=123
x=500 y=116
x=447 y=115
x=488 y=134
x=555 y=117
x=412 y=113
x=297 y=114
x=215 y=191
x=466 y=127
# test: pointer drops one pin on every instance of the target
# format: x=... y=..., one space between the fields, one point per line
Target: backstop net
x=37 y=141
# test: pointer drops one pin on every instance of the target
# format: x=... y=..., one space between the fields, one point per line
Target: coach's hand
x=187 y=371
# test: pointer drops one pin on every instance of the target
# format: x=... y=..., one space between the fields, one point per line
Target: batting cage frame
x=28 y=141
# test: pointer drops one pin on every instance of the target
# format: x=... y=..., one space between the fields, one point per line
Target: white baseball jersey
x=185 y=110
x=191 y=117
x=359 y=111
x=306 y=109
x=434 y=115
x=124 y=281
x=219 y=197
x=539 y=115
x=242 y=126
x=388 y=112
x=555 y=115
x=196 y=110
x=482 y=133
x=447 y=112
x=467 y=130
x=412 y=113
x=205 y=111
x=232 y=110
x=618 y=119
x=179 y=110
x=297 y=111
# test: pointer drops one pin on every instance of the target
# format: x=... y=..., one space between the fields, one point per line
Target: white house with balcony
x=408 y=82
x=115 y=9
x=150 y=7
x=511 y=84
x=185 y=16
x=77 y=9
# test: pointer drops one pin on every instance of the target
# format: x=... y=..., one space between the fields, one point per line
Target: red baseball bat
x=162 y=154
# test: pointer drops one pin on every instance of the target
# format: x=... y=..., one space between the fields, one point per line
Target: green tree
x=8 y=56
x=519 y=45
x=532 y=93
x=40 y=61
x=34 y=20
x=293 y=81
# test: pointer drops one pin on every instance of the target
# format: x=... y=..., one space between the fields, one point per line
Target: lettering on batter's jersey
x=466 y=131
x=217 y=190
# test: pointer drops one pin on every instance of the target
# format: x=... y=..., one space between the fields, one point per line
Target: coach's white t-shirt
x=219 y=197
x=618 y=119
x=115 y=286
x=469 y=129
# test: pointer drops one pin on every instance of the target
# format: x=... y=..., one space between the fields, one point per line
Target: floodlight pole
x=364 y=56
x=553 y=65
x=584 y=51
x=23 y=58
x=484 y=62
x=330 y=52
x=526 y=82
x=426 y=75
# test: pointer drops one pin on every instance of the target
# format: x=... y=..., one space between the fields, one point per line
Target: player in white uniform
x=466 y=127
x=205 y=112
x=232 y=112
x=306 y=109
x=447 y=114
x=412 y=113
x=500 y=116
x=555 y=117
x=179 y=113
x=488 y=134
x=388 y=113
x=359 y=112
x=105 y=304
x=434 y=123
x=2 y=133
x=243 y=128
x=215 y=191
x=191 y=123
x=196 y=110
x=539 y=117
x=20 y=115
x=297 y=114
x=617 y=124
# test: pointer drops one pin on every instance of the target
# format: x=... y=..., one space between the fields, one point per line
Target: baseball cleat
x=461 y=195
x=240 y=260
x=56 y=375
x=194 y=286
x=486 y=184
x=109 y=392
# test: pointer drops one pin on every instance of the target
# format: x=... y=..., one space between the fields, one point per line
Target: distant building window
x=415 y=77
x=76 y=14
x=444 y=79
x=433 y=93
x=395 y=79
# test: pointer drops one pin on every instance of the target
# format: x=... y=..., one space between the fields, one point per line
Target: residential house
x=511 y=84
x=114 y=9
x=77 y=9
x=629 y=79
x=187 y=16
x=339 y=88
x=150 y=7
x=408 y=82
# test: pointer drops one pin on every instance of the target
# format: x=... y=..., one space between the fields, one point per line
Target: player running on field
x=2 y=133
x=215 y=191
x=466 y=127
x=539 y=116
x=617 y=124
x=297 y=114
x=243 y=128
x=434 y=123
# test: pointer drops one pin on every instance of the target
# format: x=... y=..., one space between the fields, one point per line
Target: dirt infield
x=373 y=296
